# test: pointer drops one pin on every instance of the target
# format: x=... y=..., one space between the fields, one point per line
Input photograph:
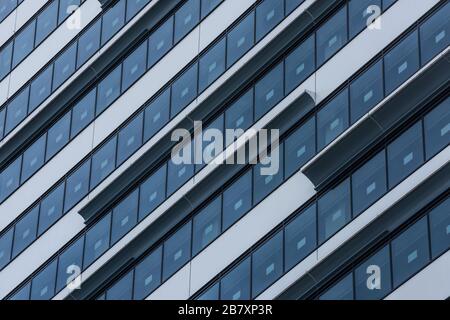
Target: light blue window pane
x=343 y=290
x=269 y=91
x=65 y=8
x=300 y=64
x=134 y=66
x=134 y=6
x=113 y=20
x=267 y=264
x=334 y=210
x=184 y=90
x=83 y=112
x=124 y=216
x=237 y=200
x=211 y=146
x=41 y=87
x=207 y=225
x=268 y=14
x=69 y=262
x=265 y=182
x=370 y=286
x=177 y=250
x=241 y=38
x=440 y=228
x=405 y=154
x=160 y=42
x=2 y=122
x=103 y=162
x=210 y=294
x=108 y=89
x=17 y=110
x=332 y=120
x=130 y=138
x=236 y=284
x=147 y=275
x=292 y=4
x=77 y=186
x=10 y=178
x=156 y=114
x=410 y=252
x=186 y=18
x=240 y=114
x=97 y=241
x=6 y=7
x=43 y=285
x=435 y=34
x=23 y=293
x=89 y=43
x=24 y=43
x=65 y=65
x=25 y=231
x=360 y=14
x=178 y=174
x=33 y=158
x=58 y=135
x=388 y=3
x=212 y=64
x=46 y=22
x=332 y=36
x=401 y=62
x=122 y=289
x=369 y=183
x=51 y=208
x=6 y=247
x=437 y=129
x=208 y=6
x=300 y=237
x=5 y=60
x=153 y=192
x=366 y=91
x=300 y=146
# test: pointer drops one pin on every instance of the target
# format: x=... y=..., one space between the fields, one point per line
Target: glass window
x=134 y=66
x=405 y=154
x=130 y=138
x=210 y=294
x=17 y=110
x=334 y=210
x=332 y=36
x=23 y=43
x=300 y=146
x=184 y=90
x=388 y=3
x=300 y=237
x=292 y=4
x=437 y=129
x=89 y=43
x=373 y=277
x=332 y=120
x=211 y=145
x=152 y=192
x=58 y=135
x=300 y=64
x=268 y=14
x=113 y=20
x=156 y=114
x=410 y=251
x=401 y=62
x=237 y=200
x=267 y=264
x=23 y=293
x=440 y=228
x=41 y=87
x=65 y=65
x=160 y=42
x=178 y=174
x=366 y=91
x=77 y=186
x=134 y=6
x=97 y=241
x=208 y=6
x=68 y=262
x=207 y=225
x=435 y=34
x=147 y=275
x=122 y=289
x=241 y=38
x=2 y=121
x=33 y=158
x=369 y=183
x=186 y=18
x=46 y=21
x=43 y=285
x=66 y=8
x=25 y=231
x=5 y=60
x=51 y=208
x=268 y=91
x=360 y=14
x=343 y=290
x=236 y=284
x=6 y=7
x=240 y=114
x=177 y=250
x=212 y=64
x=108 y=89
x=265 y=182
x=5 y=247
x=124 y=216
x=103 y=162
x=83 y=113
x=9 y=179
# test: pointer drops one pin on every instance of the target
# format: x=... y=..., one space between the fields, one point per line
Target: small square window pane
x=435 y=34
x=178 y=174
x=24 y=43
x=269 y=91
x=207 y=225
x=89 y=43
x=211 y=143
x=237 y=200
x=291 y=5
x=212 y=65
x=177 y=251
x=103 y=162
x=9 y=179
x=46 y=22
x=51 y=208
x=97 y=241
x=65 y=65
x=208 y=6
x=41 y=87
x=108 y=89
x=130 y=138
x=33 y=158
x=17 y=110
x=210 y=294
x=134 y=66
x=184 y=90
x=147 y=274
x=43 y=285
x=361 y=12
x=6 y=247
x=134 y=6
x=241 y=38
x=113 y=20
x=68 y=263
x=83 y=113
x=300 y=64
x=58 y=136
x=437 y=129
x=25 y=231
x=77 y=186
x=343 y=290
x=440 y=228
x=267 y=178
x=124 y=216
x=153 y=192
x=122 y=289
x=156 y=114
x=240 y=114
x=6 y=7
x=300 y=147
x=268 y=14
x=5 y=59
x=186 y=18
x=23 y=293
x=160 y=42
x=236 y=284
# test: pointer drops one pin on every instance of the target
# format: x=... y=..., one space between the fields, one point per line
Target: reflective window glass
x=210 y=294
x=46 y=21
x=122 y=289
x=186 y=18
x=360 y=14
x=23 y=43
x=241 y=38
x=51 y=208
x=237 y=200
x=300 y=147
x=267 y=177
x=268 y=14
x=89 y=43
x=124 y=216
x=236 y=284
x=58 y=135
x=103 y=162
x=43 y=285
x=207 y=225
x=97 y=240
x=113 y=20
x=437 y=129
x=153 y=192
x=208 y=6
x=6 y=7
x=23 y=293
x=108 y=89
x=65 y=65
x=156 y=114
x=212 y=65
x=240 y=114
x=300 y=64
x=130 y=138
x=9 y=179
x=134 y=6
x=33 y=158
x=134 y=66
x=269 y=91
x=184 y=90
x=435 y=34
x=83 y=112
x=440 y=228
x=6 y=247
x=343 y=290
x=70 y=264
x=177 y=250
x=292 y=4
x=25 y=231
x=66 y=7
x=160 y=42
x=41 y=87
x=147 y=275
x=17 y=110
x=5 y=59
x=77 y=186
